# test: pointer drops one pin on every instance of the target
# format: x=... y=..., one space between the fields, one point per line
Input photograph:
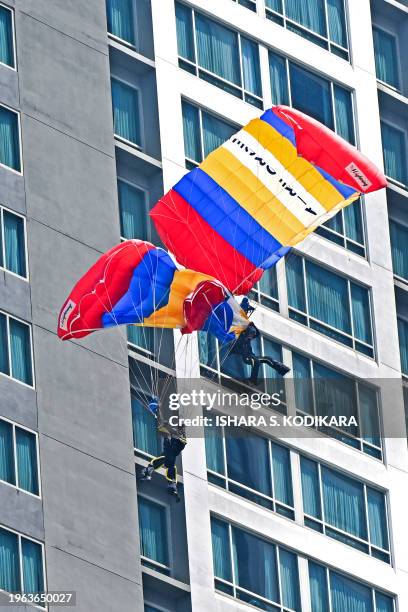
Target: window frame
x=29 y=325
x=15 y=425
x=124 y=42
x=13 y=32
x=135 y=393
x=325 y=39
x=397 y=57
x=401 y=279
x=252 y=2
x=339 y=332
x=272 y=499
x=20 y=144
x=160 y=567
x=138 y=147
x=404 y=375
x=21 y=537
x=3 y=241
x=145 y=192
x=325 y=525
x=404 y=133
x=196 y=68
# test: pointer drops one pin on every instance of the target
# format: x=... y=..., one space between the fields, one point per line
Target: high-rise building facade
x=103 y=107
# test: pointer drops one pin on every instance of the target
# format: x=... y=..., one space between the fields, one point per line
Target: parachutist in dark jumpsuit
x=243 y=347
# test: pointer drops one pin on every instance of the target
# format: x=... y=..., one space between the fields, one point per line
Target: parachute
x=138 y=283
x=259 y=194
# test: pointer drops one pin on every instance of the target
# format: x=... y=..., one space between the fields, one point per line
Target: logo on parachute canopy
x=359 y=176
x=65 y=314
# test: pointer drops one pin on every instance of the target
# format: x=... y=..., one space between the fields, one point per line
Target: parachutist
x=247 y=306
x=243 y=347
x=172 y=447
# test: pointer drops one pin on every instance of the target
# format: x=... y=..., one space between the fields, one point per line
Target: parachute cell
x=259 y=194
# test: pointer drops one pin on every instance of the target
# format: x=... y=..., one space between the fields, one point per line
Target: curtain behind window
x=282 y=474
x=142 y=337
x=311 y=95
x=250 y=66
x=328 y=297
x=217 y=49
x=369 y=423
x=343 y=501
x=215 y=132
x=403 y=343
x=214 y=450
x=361 y=313
x=248 y=461
x=385 y=57
x=310 y=488
x=221 y=550
x=125 y=102
x=394 y=152
x=383 y=603
x=9 y=562
x=348 y=595
x=289 y=576
x=9 y=142
x=294 y=279
x=132 y=207
x=354 y=222
x=4 y=359
x=6 y=37
x=302 y=383
x=310 y=14
x=185 y=40
x=27 y=460
x=20 y=352
x=33 y=579
x=399 y=249
x=14 y=243
x=344 y=113
x=7 y=471
x=279 y=80
x=191 y=132
x=153 y=531
x=145 y=436
x=120 y=19
x=318 y=588
x=337 y=22
x=377 y=518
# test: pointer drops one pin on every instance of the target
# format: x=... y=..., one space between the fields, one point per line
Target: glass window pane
x=383 y=603
x=7 y=471
x=9 y=561
x=294 y=279
x=386 y=63
x=221 y=550
x=310 y=488
x=215 y=132
x=377 y=518
x=353 y=221
x=250 y=66
x=33 y=578
x=403 y=343
x=289 y=576
x=185 y=39
x=6 y=37
x=399 y=249
x=337 y=22
x=335 y=394
x=125 y=103
x=318 y=588
x=145 y=436
x=393 y=141
x=310 y=14
x=302 y=383
x=27 y=460
x=153 y=531
x=344 y=113
x=311 y=95
x=282 y=474
x=369 y=421
x=207 y=347
x=191 y=132
x=120 y=19
x=143 y=337
x=343 y=500
x=349 y=595
x=14 y=244
x=248 y=461
x=327 y=297
x=268 y=283
x=255 y=565
x=279 y=79
x=20 y=344
x=9 y=139
x=275 y=5
x=132 y=208
x=217 y=49
x=214 y=449
x=361 y=313
x=4 y=346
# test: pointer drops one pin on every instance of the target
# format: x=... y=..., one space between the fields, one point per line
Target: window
x=7 y=51
x=254 y=570
x=133 y=211
x=21 y=563
x=332 y=591
x=321 y=21
x=394 y=151
x=403 y=343
x=10 y=139
x=154 y=547
x=249 y=4
x=220 y=364
x=218 y=55
x=121 y=20
x=15 y=349
x=203 y=132
x=320 y=391
x=345 y=509
x=250 y=466
x=18 y=457
x=329 y=303
x=12 y=242
x=386 y=62
x=145 y=436
x=126 y=112
x=399 y=249
x=266 y=291
x=346 y=229
x=141 y=338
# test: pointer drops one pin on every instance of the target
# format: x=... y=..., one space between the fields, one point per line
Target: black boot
x=280 y=367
